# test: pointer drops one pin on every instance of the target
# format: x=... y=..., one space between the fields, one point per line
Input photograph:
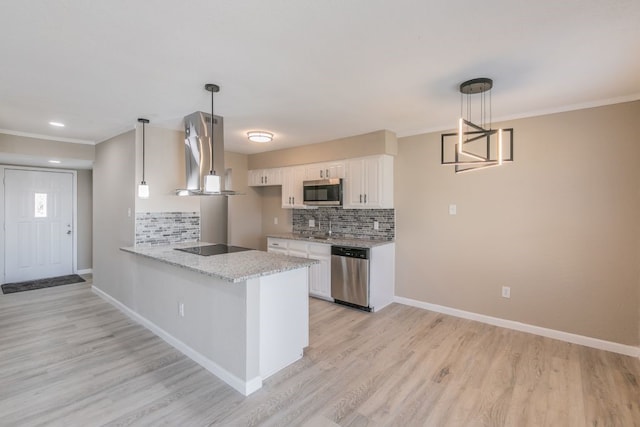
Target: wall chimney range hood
x=198 y=155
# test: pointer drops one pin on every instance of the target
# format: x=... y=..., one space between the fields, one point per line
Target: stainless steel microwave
x=323 y=192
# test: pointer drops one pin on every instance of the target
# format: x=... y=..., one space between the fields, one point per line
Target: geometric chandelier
x=476 y=145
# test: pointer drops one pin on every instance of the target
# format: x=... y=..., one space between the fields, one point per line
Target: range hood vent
x=197 y=154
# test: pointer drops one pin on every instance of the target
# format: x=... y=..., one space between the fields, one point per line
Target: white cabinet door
x=355 y=184
x=292 y=178
x=264 y=177
x=369 y=183
x=320 y=277
x=325 y=170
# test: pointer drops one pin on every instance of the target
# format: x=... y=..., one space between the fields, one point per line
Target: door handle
x=327 y=173
x=365 y=198
x=321 y=173
x=68 y=231
x=361 y=198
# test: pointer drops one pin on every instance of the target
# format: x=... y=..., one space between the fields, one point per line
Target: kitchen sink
x=319 y=238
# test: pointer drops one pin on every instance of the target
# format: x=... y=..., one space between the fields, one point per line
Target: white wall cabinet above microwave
x=325 y=170
x=369 y=183
x=263 y=177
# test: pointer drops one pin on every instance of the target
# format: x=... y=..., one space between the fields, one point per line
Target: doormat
x=10 y=288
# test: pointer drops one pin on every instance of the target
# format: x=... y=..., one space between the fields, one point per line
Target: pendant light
x=212 y=181
x=476 y=145
x=143 y=188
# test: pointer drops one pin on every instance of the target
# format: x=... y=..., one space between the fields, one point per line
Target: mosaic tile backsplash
x=156 y=228
x=356 y=223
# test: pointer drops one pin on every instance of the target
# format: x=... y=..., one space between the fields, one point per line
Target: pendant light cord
x=211 y=170
x=143 y=180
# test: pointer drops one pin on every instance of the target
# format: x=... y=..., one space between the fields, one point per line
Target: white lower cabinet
x=319 y=274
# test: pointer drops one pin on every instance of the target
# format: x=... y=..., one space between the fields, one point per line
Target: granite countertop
x=234 y=267
x=334 y=241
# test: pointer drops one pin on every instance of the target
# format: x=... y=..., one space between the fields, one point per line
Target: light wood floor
x=69 y=358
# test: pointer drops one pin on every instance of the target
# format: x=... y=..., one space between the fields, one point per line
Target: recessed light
x=55 y=161
x=57 y=124
x=260 y=136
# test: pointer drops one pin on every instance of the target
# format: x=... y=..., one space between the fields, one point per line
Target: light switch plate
x=453 y=209
x=312 y=223
x=376 y=225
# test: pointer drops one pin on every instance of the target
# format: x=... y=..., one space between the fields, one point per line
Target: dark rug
x=9 y=288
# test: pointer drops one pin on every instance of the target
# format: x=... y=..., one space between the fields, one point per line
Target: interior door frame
x=74 y=212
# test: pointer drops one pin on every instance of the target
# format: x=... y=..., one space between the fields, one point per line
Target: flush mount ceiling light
x=57 y=124
x=212 y=183
x=476 y=145
x=260 y=136
x=55 y=162
x=143 y=188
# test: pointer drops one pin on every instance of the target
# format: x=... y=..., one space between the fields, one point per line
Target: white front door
x=38 y=224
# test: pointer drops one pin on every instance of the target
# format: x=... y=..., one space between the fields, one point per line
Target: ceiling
x=308 y=71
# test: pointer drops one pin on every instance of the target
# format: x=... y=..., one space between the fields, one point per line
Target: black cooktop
x=209 y=250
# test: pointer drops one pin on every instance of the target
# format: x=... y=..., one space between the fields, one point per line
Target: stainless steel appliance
x=322 y=192
x=350 y=276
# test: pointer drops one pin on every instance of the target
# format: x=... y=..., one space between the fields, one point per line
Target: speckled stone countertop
x=234 y=267
x=334 y=241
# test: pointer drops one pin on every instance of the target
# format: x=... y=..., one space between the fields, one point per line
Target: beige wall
x=245 y=211
x=164 y=171
x=272 y=208
x=379 y=142
x=559 y=225
x=85 y=217
x=114 y=215
x=22 y=145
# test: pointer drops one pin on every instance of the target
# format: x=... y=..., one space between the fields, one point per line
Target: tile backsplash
x=157 y=228
x=346 y=222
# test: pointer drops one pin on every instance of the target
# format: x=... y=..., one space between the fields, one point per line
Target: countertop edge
x=337 y=241
x=299 y=263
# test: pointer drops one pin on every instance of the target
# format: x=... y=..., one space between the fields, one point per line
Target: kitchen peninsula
x=243 y=315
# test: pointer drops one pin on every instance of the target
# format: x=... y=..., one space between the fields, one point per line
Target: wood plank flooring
x=69 y=358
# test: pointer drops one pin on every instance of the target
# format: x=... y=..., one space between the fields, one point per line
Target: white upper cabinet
x=263 y=177
x=292 y=178
x=369 y=183
x=325 y=170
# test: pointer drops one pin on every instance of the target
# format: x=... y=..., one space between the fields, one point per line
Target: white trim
x=614 y=347
x=46 y=137
x=244 y=387
x=85 y=271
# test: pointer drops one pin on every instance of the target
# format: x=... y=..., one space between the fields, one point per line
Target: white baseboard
x=614 y=347
x=85 y=271
x=244 y=387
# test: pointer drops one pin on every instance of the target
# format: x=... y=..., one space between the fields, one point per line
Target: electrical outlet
x=129 y=212
x=453 y=210
x=506 y=292
x=275 y=220
x=376 y=225
x=181 y=309
x=312 y=223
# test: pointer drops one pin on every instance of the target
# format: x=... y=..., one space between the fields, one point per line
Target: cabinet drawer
x=277 y=243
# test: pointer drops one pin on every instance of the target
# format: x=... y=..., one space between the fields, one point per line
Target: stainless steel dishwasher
x=350 y=276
